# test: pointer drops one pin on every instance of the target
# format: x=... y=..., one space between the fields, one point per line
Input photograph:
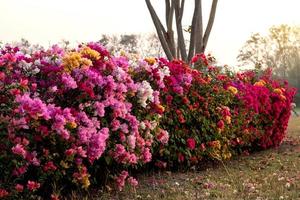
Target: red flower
x=181 y=119
x=220 y=124
x=3 y=193
x=15 y=92
x=32 y=185
x=49 y=166
x=54 y=197
x=2 y=76
x=191 y=143
x=180 y=157
x=19 y=188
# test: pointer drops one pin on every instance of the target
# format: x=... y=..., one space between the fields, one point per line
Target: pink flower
x=19 y=188
x=68 y=81
x=115 y=125
x=99 y=107
x=132 y=181
x=2 y=76
x=97 y=144
x=32 y=185
x=147 y=156
x=131 y=139
x=19 y=150
x=163 y=136
x=191 y=143
x=24 y=82
x=70 y=152
x=121 y=180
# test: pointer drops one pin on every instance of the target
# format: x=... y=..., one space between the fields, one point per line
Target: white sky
x=49 y=21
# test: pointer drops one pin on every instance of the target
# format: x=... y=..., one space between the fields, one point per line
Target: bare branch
x=199 y=38
x=182 y=7
x=193 y=30
x=168 y=7
x=181 y=43
x=210 y=23
x=170 y=33
x=160 y=30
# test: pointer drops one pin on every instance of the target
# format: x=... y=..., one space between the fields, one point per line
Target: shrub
x=74 y=117
x=67 y=114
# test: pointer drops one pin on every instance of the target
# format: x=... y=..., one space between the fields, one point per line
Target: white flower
x=145 y=93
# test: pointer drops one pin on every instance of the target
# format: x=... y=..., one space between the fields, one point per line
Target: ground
x=271 y=174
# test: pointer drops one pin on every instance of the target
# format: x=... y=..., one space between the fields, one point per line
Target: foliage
x=74 y=117
x=213 y=114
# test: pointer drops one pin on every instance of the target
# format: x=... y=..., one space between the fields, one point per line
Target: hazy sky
x=50 y=21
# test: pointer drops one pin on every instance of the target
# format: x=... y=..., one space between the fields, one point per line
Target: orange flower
x=278 y=91
x=260 y=83
x=232 y=89
x=150 y=60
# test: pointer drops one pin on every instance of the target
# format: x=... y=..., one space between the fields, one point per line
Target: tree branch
x=210 y=23
x=193 y=30
x=160 y=30
x=170 y=33
x=199 y=38
x=181 y=43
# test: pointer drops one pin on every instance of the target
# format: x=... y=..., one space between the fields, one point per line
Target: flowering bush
x=266 y=107
x=211 y=113
x=68 y=113
x=72 y=117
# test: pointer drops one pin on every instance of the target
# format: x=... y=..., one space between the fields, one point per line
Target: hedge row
x=73 y=117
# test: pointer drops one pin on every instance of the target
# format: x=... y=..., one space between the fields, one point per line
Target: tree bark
x=209 y=24
x=194 y=30
x=181 y=42
x=169 y=23
x=160 y=30
x=199 y=38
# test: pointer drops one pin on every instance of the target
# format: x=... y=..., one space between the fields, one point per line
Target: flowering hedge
x=66 y=113
x=72 y=117
x=212 y=113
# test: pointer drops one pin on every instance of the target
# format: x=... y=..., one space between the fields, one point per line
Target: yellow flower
x=216 y=154
x=150 y=60
x=90 y=53
x=232 y=89
x=85 y=181
x=71 y=61
x=260 y=83
x=86 y=62
x=122 y=52
x=228 y=119
x=219 y=130
x=64 y=164
x=72 y=125
x=209 y=78
x=278 y=91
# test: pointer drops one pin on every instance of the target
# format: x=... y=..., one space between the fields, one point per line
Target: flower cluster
x=78 y=111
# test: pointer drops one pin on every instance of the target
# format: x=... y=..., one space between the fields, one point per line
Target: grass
x=270 y=174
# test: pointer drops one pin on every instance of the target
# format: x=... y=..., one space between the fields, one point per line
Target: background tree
x=198 y=36
x=146 y=45
x=279 y=49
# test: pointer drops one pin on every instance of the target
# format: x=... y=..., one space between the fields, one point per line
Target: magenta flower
x=19 y=150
